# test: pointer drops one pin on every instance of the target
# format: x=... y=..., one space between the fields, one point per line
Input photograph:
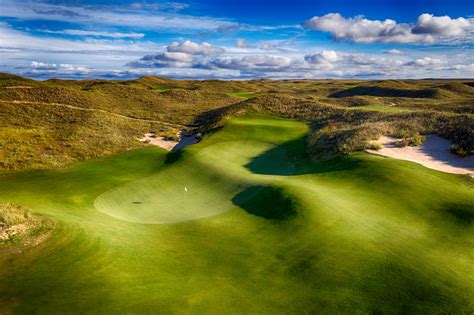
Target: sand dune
x=168 y=144
x=433 y=153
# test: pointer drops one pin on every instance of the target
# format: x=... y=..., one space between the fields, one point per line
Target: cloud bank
x=427 y=29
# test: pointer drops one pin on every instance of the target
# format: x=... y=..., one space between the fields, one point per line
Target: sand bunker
x=167 y=144
x=433 y=153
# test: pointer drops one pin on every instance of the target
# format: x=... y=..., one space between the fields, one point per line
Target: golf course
x=242 y=222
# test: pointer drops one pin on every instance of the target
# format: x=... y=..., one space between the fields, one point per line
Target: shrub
x=11 y=214
x=458 y=150
x=416 y=140
x=373 y=146
x=170 y=135
x=401 y=143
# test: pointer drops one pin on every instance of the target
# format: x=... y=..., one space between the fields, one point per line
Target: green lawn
x=160 y=89
x=260 y=229
x=244 y=95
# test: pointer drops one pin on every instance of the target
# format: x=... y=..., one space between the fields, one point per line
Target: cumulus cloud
x=193 y=48
x=327 y=57
x=250 y=63
x=177 y=55
x=164 y=60
x=440 y=25
x=52 y=66
x=427 y=29
x=323 y=63
x=39 y=69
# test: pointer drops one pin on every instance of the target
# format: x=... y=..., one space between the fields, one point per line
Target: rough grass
x=38 y=130
x=365 y=234
x=11 y=214
x=18 y=225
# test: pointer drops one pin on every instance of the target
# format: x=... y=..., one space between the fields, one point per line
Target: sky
x=211 y=39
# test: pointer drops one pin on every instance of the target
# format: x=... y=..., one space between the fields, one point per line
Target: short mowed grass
x=244 y=95
x=260 y=229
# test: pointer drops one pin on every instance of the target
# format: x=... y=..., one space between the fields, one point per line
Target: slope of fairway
x=277 y=233
x=203 y=183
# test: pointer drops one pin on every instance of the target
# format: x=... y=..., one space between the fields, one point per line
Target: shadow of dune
x=268 y=202
x=439 y=149
x=462 y=213
x=384 y=92
x=173 y=156
x=213 y=119
x=290 y=158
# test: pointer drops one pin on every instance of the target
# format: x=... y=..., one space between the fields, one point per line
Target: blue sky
x=237 y=39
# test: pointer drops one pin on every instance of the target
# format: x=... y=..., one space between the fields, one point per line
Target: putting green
x=277 y=233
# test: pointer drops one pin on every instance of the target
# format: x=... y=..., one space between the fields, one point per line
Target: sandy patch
x=433 y=153
x=167 y=144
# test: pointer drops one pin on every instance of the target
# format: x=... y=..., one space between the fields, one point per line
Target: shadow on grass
x=267 y=202
x=290 y=158
x=462 y=213
x=173 y=157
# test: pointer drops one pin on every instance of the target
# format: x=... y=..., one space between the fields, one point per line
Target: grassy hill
x=262 y=228
x=53 y=123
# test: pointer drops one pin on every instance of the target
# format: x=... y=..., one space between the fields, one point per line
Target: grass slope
x=361 y=234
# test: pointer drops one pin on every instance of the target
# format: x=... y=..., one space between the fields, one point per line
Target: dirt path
x=96 y=110
x=19 y=87
x=434 y=153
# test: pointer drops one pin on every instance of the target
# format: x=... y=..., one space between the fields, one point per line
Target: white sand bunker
x=433 y=153
x=169 y=144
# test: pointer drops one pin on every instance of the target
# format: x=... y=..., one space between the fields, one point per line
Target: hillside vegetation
x=53 y=123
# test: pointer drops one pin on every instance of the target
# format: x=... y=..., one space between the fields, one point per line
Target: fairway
x=203 y=183
x=243 y=222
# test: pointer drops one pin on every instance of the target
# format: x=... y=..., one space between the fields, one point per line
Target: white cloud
x=164 y=60
x=111 y=15
x=14 y=39
x=177 y=55
x=322 y=64
x=425 y=62
x=327 y=57
x=242 y=43
x=52 y=66
x=251 y=63
x=267 y=46
x=393 y=52
x=193 y=48
x=428 y=28
x=440 y=25
x=158 y=6
x=95 y=33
